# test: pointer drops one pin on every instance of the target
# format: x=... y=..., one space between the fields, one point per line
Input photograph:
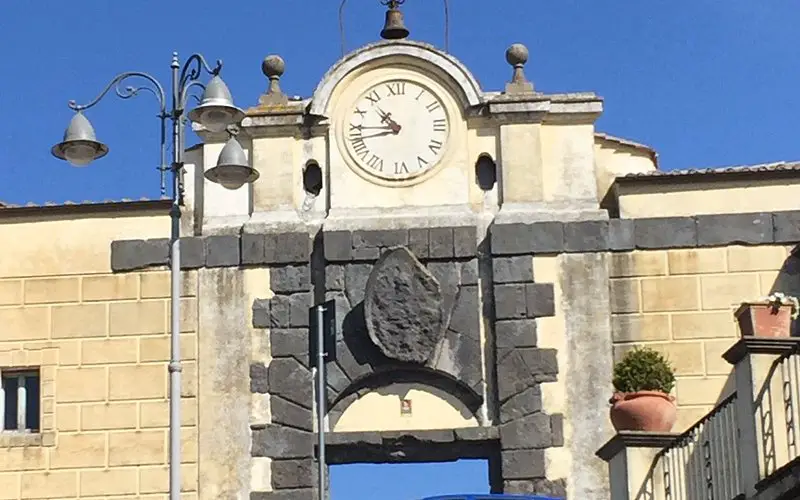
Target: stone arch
x=419 y=54
x=437 y=389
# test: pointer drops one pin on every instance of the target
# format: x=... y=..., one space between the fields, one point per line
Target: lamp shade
x=216 y=110
x=232 y=170
x=80 y=147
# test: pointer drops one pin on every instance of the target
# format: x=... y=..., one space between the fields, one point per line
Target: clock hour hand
x=387 y=119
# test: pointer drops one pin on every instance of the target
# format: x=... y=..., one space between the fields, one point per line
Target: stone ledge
x=425 y=243
x=635 y=439
x=761 y=345
x=645 y=234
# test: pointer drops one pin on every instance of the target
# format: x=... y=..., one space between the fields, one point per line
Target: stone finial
x=517 y=56
x=273 y=68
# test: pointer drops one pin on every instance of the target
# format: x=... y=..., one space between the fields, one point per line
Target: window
x=19 y=400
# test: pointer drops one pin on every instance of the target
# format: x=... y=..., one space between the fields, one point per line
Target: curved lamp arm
x=127 y=92
x=192 y=69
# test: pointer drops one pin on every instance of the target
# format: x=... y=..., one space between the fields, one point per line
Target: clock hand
x=387 y=119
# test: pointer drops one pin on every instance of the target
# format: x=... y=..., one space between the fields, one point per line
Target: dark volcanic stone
x=403 y=307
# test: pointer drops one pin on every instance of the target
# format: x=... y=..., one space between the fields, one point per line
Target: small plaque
x=405 y=407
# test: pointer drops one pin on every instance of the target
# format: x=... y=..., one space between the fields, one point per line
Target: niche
x=485 y=172
x=312 y=178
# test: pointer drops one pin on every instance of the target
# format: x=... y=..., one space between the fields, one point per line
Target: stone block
x=465 y=241
x=476 y=434
x=107 y=351
x=530 y=432
x=547 y=237
x=129 y=255
x=60 y=484
x=193 y=253
x=510 y=301
x=524 y=403
x=540 y=300
x=289 y=494
x=289 y=414
x=523 y=464
x=156 y=479
x=703 y=325
x=300 y=473
x=726 y=229
x=81 y=384
x=440 y=245
x=557 y=428
x=282 y=443
x=79 y=450
x=786 y=226
x=253 y=249
x=289 y=342
x=290 y=279
x=158 y=285
x=280 y=312
x=515 y=269
x=222 y=251
x=538 y=486
x=621 y=235
x=261 y=313
x=638 y=263
x=52 y=290
x=11 y=292
x=586 y=236
x=154 y=414
x=287 y=248
x=715 y=364
x=259 y=378
x=334 y=277
x=466 y=312
x=624 y=296
x=685 y=357
x=137 y=318
x=696 y=261
x=469 y=272
x=116 y=416
x=68 y=321
x=137 y=447
x=728 y=290
x=380 y=238
x=511 y=239
x=102 y=483
x=126 y=382
x=700 y=391
x=670 y=294
x=291 y=380
x=355 y=281
x=418 y=242
x=521 y=368
x=640 y=327
x=299 y=304
x=366 y=253
x=338 y=246
x=665 y=232
x=515 y=333
x=756 y=258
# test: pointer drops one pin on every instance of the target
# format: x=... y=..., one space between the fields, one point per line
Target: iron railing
x=777 y=449
x=703 y=462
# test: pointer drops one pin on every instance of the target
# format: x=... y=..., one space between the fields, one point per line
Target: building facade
x=489 y=255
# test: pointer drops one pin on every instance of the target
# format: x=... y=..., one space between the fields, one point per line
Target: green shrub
x=643 y=369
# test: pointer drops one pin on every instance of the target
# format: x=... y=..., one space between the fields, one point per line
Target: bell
x=395 y=28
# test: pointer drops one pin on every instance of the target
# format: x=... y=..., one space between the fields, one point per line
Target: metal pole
x=321 y=400
x=175 y=297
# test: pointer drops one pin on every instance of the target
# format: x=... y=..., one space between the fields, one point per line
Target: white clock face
x=397 y=130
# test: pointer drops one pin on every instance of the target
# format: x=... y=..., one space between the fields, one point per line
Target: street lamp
x=216 y=112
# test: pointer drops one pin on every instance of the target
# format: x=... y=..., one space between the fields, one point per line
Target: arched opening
x=312 y=178
x=485 y=172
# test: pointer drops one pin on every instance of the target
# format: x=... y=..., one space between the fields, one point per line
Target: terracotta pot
x=764 y=320
x=649 y=411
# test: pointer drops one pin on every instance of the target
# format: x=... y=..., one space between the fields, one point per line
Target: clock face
x=397 y=130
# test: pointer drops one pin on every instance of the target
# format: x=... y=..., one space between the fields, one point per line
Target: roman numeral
x=400 y=168
x=421 y=162
x=421 y=92
x=433 y=106
x=355 y=131
x=373 y=97
x=440 y=125
x=375 y=163
x=435 y=146
x=396 y=88
x=360 y=147
x=362 y=113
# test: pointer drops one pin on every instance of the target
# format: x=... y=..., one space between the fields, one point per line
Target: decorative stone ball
x=273 y=66
x=517 y=54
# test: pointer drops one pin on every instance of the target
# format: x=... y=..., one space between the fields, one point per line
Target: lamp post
x=216 y=112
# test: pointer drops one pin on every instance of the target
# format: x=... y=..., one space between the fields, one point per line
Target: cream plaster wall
x=102 y=344
x=614 y=160
x=431 y=408
x=707 y=197
x=681 y=303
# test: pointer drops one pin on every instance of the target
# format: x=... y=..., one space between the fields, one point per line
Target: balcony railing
x=745 y=447
x=702 y=462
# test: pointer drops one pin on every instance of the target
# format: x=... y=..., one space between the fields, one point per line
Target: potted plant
x=768 y=317
x=643 y=379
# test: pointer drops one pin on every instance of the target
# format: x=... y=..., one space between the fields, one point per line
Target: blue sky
x=705 y=82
